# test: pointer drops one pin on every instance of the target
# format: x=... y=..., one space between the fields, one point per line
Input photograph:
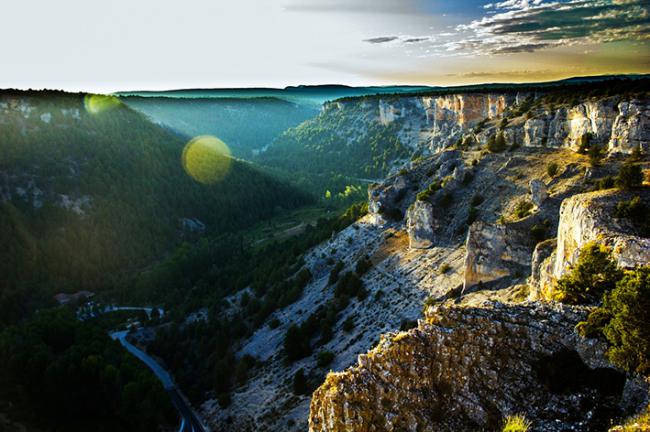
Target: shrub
x=552 y=169
x=636 y=212
x=348 y=324
x=446 y=199
x=628 y=332
x=605 y=183
x=594 y=274
x=296 y=343
x=477 y=200
x=300 y=385
x=523 y=208
x=444 y=268
x=274 y=323
x=324 y=358
x=362 y=267
x=496 y=143
x=334 y=273
x=472 y=215
x=407 y=324
x=629 y=176
x=516 y=423
x=595 y=153
x=538 y=233
x=504 y=123
x=468 y=177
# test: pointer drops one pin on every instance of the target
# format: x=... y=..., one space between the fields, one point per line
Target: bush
x=274 y=323
x=496 y=143
x=624 y=321
x=348 y=324
x=334 y=273
x=444 y=268
x=300 y=385
x=538 y=233
x=636 y=212
x=594 y=274
x=446 y=199
x=552 y=169
x=296 y=343
x=324 y=358
x=468 y=177
x=523 y=208
x=605 y=183
x=628 y=332
x=472 y=215
x=516 y=423
x=596 y=154
x=477 y=200
x=629 y=176
x=362 y=267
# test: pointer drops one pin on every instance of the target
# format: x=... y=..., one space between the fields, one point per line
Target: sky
x=105 y=46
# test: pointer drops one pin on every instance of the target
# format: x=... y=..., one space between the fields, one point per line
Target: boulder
x=420 y=225
x=538 y=192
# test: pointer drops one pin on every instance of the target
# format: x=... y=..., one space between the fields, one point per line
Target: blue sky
x=160 y=44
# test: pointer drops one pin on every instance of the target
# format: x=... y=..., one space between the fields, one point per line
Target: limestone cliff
x=585 y=218
x=432 y=123
x=466 y=368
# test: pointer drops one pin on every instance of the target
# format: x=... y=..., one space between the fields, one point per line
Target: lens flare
x=206 y=159
x=97 y=104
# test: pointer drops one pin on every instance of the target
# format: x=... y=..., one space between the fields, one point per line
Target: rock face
x=538 y=192
x=420 y=225
x=432 y=123
x=384 y=199
x=467 y=368
x=494 y=252
x=586 y=218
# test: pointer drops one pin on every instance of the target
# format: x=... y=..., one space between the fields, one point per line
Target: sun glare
x=97 y=104
x=206 y=159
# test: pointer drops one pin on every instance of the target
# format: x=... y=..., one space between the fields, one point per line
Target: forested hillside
x=91 y=190
x=245 y=124
x=345 y=145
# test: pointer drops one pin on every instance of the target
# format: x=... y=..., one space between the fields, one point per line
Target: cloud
x=519 y=26
x=381 y=39
x=398 y=39
x=526 y=26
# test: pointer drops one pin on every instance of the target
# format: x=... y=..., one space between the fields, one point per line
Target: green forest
x=342 y=146
x=126 y=178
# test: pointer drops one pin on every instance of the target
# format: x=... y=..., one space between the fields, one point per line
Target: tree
x=594 y=274
x=628 y=331
x=496 y=143
x=300 y=385
x=629 y=176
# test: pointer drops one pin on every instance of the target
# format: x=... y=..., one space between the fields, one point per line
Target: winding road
x=189 y=420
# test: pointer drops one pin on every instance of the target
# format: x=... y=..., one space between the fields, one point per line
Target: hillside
x=247 y=125
x=457 y=230
x=92 y=191
x=354 y=140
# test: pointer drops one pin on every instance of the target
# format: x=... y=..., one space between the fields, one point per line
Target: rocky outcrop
x=467 y=368
x=631 y=129
x=420 y=225
x=538 y=192
x=432 y=123
x=588 y=218
x=384 y=199
x=494 y=252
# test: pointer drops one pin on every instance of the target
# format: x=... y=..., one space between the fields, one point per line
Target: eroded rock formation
x=467 y=368
x=588 y=218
